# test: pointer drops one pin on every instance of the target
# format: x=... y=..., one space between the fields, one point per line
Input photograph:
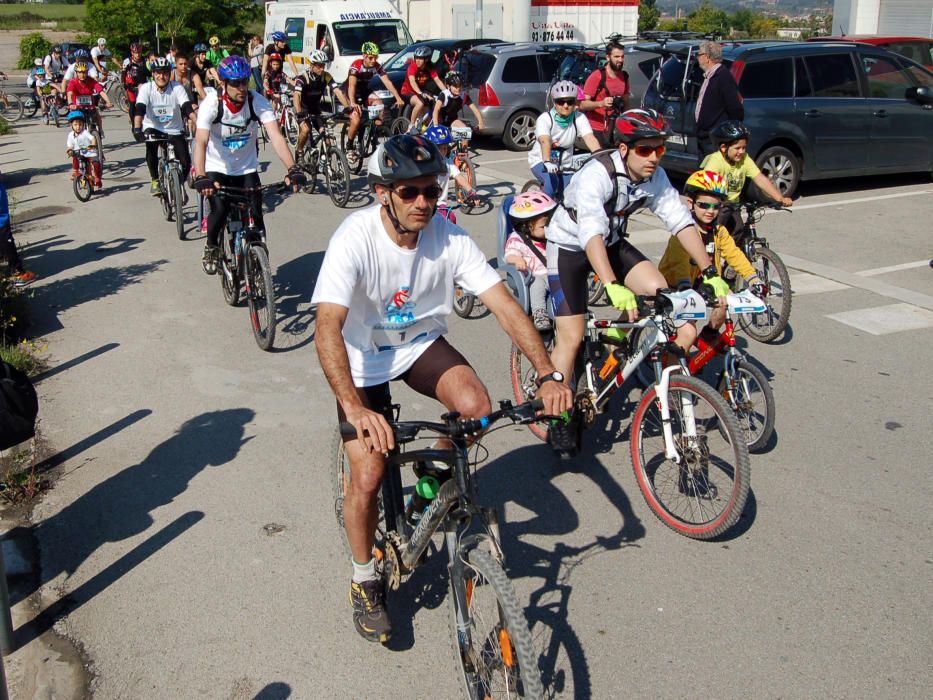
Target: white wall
x=885 y=17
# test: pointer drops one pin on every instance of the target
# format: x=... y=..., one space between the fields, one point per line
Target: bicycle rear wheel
x=177 y=204
x=229 y=276
x=337 y=174
x=463 y=303
x=11 y=107
x=260 y=296
x=768 y=326
x=400 y=126
x=594 y=289
x=291 y=128
x=54 y=109
x=496 y=655
x=467 y=170
x=523 y=375
x=30 y=105
x=703 y=495
x=83 y=187
x=749 y=395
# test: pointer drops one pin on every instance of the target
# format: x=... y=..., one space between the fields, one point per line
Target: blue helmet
x=233 y=68
x=76 y=114
x=279 y=36
x=200 y=48
x=438 y=135
x=82 y=53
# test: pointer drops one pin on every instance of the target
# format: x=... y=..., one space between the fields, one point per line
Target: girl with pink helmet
x=525 y=248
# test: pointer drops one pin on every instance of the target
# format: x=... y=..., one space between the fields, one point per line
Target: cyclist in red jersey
x=83 y=86
x=417 y=77
x=135 y=74
x=361 y=72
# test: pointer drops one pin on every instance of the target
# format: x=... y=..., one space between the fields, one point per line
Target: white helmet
x=563 y=89
x=101 y=41
x=318 y=56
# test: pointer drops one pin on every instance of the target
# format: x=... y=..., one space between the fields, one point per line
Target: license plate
x=678 y=139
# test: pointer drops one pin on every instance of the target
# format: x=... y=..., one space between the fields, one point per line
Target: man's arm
x=279 y=144
x=201 y=137
x=332 y=354
x=265 y=63
x=480 y=124
x=198 y=85
x=391 y=88
x=591 y=143
x=516 y=323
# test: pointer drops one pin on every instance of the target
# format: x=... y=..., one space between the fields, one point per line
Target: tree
x=707 y=19
x=648 y=15
x=764 y=28
x=742 y=20
x=183 y=22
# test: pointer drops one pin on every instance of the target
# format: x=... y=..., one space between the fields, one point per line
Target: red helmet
x=275 y=56
x=636 y=124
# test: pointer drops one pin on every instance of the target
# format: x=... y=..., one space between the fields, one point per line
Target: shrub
x=32 y=46
x=4 y=127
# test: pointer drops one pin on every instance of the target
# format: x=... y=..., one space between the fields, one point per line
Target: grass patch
x=19 y=481
x=31 y=16
x=24 y=356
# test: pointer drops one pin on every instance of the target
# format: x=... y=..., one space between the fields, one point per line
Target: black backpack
x=19 y=407
x=604 y=158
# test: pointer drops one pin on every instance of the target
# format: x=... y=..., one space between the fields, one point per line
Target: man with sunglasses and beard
x=587 y=232
x=383 y=296
x=603 y=90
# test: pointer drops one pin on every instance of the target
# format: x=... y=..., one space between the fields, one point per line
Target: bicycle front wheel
x=291 y=128
x=11 y=107
x=83 y=187
x=260 y=296
x=523 y=376
x=492 y=644
x=703 y=493
x=768 y=326
x=467 y=170
x=229 y=275
x=337 y=174
x=30 y=105
x=749 y=395
x=177 y=201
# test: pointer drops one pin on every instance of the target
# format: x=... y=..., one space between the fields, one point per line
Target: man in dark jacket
x=718 y=99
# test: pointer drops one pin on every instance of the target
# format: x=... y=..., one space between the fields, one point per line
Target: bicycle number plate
x=382 y=94
x=679 y=139
x=579 y=160
x=687 y=306
x=84 y=101
x=745 y=303
x=461 y=133
x=375 y=111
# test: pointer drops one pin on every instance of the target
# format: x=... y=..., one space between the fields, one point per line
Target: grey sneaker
x=155 y=189
x=209 y=259
x=369 y=611
x=541 y=320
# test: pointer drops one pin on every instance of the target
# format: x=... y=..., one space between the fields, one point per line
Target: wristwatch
x=556 y=376
x=710 y=272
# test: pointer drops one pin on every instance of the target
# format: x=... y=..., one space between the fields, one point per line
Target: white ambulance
x=339 y=28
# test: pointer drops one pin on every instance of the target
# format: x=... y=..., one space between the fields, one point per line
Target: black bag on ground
x=19 y=407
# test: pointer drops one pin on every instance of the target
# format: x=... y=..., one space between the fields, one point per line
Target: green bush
x=4 y=127
x=32 y=46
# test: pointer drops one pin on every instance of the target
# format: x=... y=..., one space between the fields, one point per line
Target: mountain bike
x=11 y=105
x=244 y=259
x=83 y=184
x=171 y=179
x=460 y=152
x=322 y=155
x=769 y=325
x=687 y=451
x=371 y=132
x=285 y=114
x=742 y=384
x=85 y=103
x=493 y=647
x=115 y=90
x=403 y=124
x=53 y=103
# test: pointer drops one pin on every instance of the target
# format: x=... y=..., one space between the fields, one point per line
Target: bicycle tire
x=178 y=203
x=469 y=172
x=533 y=185
x=11 y=107
x=357 y=165
x=401 y=125
x=594 y=289
x=55 y=115
x=337 y=176
x=770 y=325
x=229 y=277
x=523 y=377
x=83 y=187
x=463 y=303
x=260 y=296
x=122 y=99
x=291 y=128
x=501 y=661
x=749 y=411
x=341 y=482
x=30 y=105
x=689 y=501
x=166 y=197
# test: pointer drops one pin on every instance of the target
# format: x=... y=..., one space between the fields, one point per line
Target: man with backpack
x=606 y=93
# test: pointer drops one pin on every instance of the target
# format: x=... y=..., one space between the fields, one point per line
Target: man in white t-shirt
x=383 y=296
x=100 y=54
x=559 y=128
x=225 y=148
x=163 y=108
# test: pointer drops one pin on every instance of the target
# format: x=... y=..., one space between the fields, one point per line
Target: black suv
x=814 y=110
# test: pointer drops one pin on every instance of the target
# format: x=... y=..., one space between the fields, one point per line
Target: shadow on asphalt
x=119 y=508
x=91 y=440
x=274 y=691
x=68 y=364
x=48 y=259
x=294 y=284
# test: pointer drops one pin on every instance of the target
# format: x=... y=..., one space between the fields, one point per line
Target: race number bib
x=686 y=305
x=745 y=303
x=399 y=326
x=84 y=101
x=234 y=130
x=163 y=113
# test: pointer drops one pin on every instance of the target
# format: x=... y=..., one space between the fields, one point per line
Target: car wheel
x=519 y=133
x=782 y=167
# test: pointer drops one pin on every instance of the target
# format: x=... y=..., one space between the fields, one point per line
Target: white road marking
x=893 y=268
x=857 y=200
x=882 y=320
x=503 y=160
x=803 y=283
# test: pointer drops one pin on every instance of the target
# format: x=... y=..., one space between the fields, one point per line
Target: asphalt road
x=183 y=446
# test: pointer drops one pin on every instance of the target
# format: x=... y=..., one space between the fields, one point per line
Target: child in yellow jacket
x=706 y=192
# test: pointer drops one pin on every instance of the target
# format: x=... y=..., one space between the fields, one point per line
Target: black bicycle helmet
x=729 y=132
x=636 y=124
x=423 y=52
x=405 y=157
x=453 y=78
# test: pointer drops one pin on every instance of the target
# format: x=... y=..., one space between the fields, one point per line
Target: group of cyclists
x=386 y=285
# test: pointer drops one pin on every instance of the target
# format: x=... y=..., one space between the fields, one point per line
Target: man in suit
x=718 y=99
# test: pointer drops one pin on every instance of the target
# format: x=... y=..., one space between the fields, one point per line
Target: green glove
x=621 y=297
x=718 y=284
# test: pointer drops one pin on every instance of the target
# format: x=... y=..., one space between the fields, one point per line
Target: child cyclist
x=440 y=136
x=82 y=143
x=706 y=193
x=525 y=248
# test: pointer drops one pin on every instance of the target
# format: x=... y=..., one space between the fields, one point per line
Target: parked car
x=815 y=110
x=68 y=51
x=445 y=53
x=640 y=63
x=915 y=48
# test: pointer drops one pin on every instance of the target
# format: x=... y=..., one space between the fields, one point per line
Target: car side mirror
x=923 y=95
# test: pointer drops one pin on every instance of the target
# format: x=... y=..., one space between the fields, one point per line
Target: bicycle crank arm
x=430 y=521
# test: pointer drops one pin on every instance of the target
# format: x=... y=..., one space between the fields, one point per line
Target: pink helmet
x=530 y=205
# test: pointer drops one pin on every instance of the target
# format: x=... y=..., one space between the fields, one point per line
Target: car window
x=768 y=79
x=671 y=79
x=802 y=86
x=550 y=63
x=885 y=78
x=919 y=51
x=832 y=75
x=521 y=69
x=476 y=67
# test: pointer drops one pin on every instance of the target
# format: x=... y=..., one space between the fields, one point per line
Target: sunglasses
x=409 y=193
x=238 y=83
x=644 y=151
x=709 y=206
x=565 y=102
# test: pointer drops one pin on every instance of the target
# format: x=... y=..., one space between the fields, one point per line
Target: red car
x=915 y=48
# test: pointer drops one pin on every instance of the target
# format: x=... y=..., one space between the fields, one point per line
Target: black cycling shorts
x=568 y=270
x=422 y=376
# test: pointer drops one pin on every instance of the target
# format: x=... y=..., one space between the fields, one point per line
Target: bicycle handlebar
x=455 y=427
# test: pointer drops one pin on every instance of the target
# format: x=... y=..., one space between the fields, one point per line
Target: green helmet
x=370 y=49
